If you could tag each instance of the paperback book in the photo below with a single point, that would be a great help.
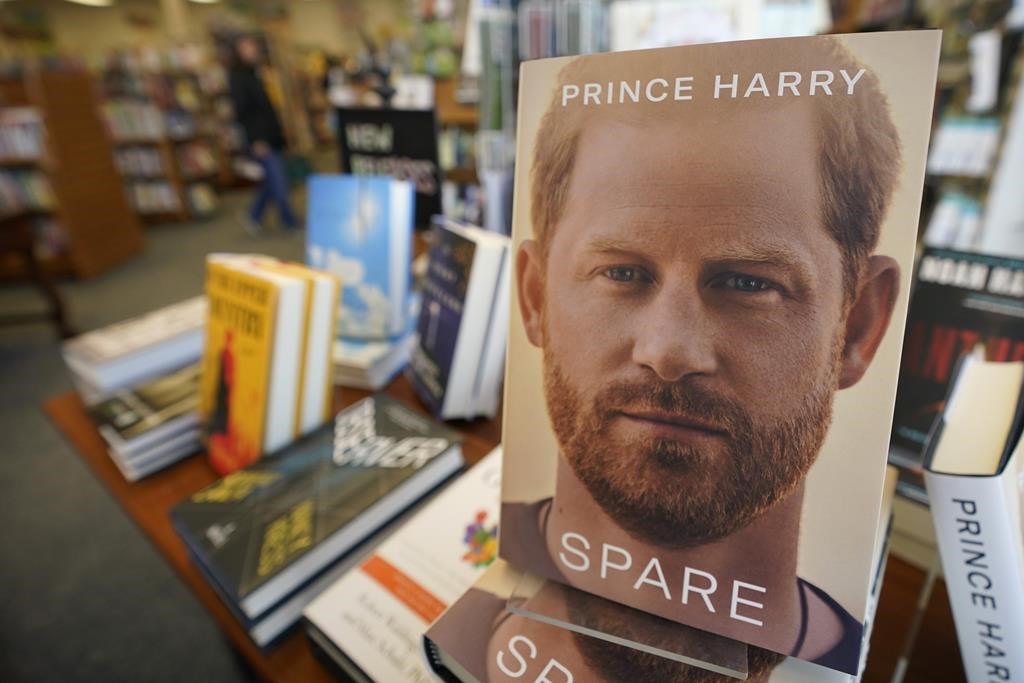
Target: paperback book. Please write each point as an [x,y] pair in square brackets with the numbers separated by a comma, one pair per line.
[360,229]
[713,249]
[457,364]
[370,622]
[264,531]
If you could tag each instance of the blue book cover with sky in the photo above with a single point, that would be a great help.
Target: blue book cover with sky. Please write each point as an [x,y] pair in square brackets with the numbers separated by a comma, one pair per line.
[360,228]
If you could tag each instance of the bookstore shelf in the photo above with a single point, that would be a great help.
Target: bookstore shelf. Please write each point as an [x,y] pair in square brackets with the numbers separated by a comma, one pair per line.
[97,228]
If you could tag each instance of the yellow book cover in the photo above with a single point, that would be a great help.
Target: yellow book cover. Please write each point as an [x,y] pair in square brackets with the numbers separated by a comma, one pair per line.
[236,365]
[319,322]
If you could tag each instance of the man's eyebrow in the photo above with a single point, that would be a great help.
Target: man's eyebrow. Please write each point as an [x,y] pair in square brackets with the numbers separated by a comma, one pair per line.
[604,245]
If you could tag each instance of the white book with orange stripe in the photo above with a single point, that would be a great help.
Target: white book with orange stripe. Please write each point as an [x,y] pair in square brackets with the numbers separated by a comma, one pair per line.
[370,622]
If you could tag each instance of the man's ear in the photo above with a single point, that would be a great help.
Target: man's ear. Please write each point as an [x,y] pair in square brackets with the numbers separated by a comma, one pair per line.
[530,287]
[869,318]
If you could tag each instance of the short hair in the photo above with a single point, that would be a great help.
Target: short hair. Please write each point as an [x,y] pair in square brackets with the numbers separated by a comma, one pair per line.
[858,144]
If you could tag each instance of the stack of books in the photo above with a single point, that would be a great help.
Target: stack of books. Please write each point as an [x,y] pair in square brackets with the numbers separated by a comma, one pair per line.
[266,366]
[128,353]
[360,228]
[153,425]
[269,537]
[458,361]
[368,364]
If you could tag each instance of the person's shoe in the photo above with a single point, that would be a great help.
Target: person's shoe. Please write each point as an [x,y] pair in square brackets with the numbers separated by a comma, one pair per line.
[252,228]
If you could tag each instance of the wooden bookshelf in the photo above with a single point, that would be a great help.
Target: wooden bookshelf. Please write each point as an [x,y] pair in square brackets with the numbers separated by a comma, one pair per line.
[99,227]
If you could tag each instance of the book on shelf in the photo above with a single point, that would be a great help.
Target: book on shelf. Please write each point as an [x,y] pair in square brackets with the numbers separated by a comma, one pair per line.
[973,475]
[25,190]
[266,363]
[134,350]
[153,424]
[360,228]
[457,364]
[698,381]
[960,300]
[21,134]
[369,623]
[264,532]
[1002,230]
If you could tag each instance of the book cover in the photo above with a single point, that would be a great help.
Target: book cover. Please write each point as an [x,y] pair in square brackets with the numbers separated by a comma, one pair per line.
[960,300]
[354,232]
[974,478]
[480,640]
[714,245]
[289,515]
[444,295]
[133,413]
[236,364]
[377,613]
[136,334]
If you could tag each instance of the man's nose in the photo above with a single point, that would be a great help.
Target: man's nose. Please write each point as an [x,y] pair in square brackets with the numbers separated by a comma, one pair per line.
[675,337]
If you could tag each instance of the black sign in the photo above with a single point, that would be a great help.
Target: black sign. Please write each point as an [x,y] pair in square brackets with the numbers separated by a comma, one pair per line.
[401,143]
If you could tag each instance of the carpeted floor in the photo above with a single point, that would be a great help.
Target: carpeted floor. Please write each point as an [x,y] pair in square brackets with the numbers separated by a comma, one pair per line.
[83,595]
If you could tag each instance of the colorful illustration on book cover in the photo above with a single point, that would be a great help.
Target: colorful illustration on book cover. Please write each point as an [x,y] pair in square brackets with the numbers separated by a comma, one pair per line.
[481,540]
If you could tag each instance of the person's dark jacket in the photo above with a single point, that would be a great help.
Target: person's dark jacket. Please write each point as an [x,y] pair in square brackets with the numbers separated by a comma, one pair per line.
[253,109]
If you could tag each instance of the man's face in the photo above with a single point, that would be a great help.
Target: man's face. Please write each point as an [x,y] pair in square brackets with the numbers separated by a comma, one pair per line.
[692,321]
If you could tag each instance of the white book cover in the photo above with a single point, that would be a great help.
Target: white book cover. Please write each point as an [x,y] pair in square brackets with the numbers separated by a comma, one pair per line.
[975,494]
[377,613]
[135,334]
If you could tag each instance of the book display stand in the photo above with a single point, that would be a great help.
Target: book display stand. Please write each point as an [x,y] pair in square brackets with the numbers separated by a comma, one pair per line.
[540,599]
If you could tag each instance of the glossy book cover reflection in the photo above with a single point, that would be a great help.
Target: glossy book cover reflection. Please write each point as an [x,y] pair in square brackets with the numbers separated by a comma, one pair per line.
[713,252]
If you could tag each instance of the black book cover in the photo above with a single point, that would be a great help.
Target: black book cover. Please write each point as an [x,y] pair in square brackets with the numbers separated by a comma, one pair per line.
[134,412]
[960,300]
[252,525]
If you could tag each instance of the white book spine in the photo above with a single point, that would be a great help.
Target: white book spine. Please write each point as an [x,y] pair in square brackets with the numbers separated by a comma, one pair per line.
[977,523]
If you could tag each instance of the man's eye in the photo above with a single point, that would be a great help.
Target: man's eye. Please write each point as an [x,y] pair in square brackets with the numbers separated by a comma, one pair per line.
[748,283]
[625,274]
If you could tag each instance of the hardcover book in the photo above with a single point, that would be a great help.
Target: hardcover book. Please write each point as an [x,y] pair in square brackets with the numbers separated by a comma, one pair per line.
[973,475]
[371,620]
[264,530]
[360,228]
[249,393]
[456,366]
[713,249]
[960,300]
[479,639]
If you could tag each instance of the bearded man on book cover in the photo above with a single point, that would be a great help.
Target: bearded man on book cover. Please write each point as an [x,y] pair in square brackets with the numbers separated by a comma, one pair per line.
[712,242]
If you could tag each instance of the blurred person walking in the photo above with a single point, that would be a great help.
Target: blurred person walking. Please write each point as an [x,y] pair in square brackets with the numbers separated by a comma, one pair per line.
[264,136]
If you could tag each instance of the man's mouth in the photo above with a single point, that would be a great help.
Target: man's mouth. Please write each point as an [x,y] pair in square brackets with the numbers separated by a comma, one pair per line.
[672,425]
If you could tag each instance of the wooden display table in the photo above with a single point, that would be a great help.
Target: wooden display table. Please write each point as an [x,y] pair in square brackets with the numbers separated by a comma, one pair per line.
[936,657]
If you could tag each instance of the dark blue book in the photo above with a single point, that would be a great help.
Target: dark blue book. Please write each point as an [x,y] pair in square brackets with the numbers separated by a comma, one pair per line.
[458,363]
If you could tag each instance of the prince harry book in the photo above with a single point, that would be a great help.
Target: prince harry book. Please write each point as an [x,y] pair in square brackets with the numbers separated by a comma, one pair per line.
[712,252]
